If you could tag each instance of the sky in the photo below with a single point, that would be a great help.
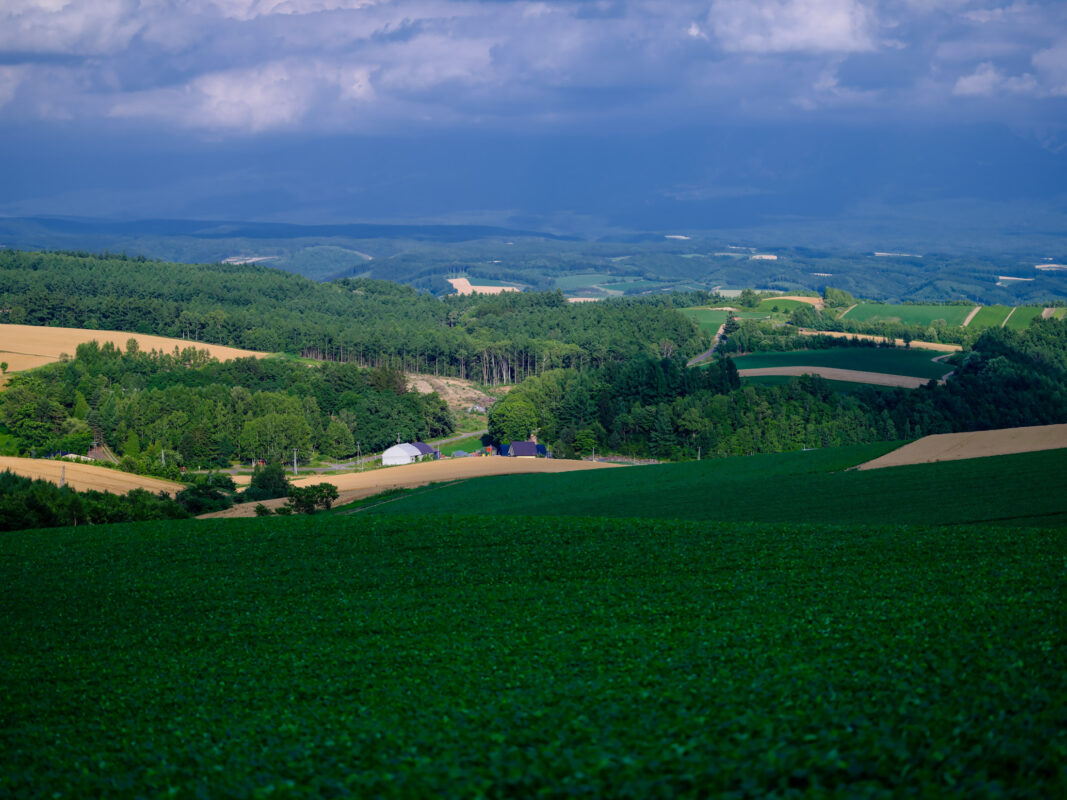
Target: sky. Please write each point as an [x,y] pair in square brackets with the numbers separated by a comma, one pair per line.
[636,114]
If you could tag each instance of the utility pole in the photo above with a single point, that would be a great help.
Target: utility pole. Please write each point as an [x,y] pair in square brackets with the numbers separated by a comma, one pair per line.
[294,461]
[359,455]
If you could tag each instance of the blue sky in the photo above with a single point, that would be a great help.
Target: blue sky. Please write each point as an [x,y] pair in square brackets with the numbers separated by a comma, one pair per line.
[357,109]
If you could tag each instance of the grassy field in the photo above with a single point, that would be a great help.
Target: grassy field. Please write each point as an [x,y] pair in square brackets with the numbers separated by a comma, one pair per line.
[585,280]
[845,387]
[892,360]
[468,445]
[1023,316]
[798,487]
[525,657]
[990,317]
[634,286]
[771,304]
[911,315]
[707,319]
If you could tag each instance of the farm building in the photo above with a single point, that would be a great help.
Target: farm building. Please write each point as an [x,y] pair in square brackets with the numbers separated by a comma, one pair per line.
[523,450]
[408,453]
[401,454]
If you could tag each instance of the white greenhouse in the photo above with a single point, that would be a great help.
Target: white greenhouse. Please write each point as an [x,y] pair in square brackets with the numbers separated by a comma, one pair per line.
[400,454]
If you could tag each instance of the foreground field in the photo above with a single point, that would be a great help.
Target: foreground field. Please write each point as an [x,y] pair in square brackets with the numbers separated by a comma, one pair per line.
[27,346]
[461,657]
[977,444]
[86,476]
[841,375]
[357,485]
[810,486]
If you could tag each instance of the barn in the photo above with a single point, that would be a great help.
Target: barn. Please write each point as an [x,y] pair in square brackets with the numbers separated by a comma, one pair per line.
[523,450]
[401,454]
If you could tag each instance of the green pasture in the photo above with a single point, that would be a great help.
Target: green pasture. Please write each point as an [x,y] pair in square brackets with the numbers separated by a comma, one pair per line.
[909,315]
[709,320]
[990,317]
[891,360]
[1025,489]
[473,656]
[771,303]
[469,444]
[634,286]
[1023,316]
[585,280]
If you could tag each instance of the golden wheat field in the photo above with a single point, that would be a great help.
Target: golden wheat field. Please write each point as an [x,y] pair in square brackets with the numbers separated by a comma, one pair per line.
[27,346]
[953,446]
[81,476]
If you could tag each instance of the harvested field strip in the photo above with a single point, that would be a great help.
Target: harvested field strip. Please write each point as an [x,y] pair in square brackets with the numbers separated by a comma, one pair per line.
[357,485]
[51,343]
[81,476]
[971,316]
[944,348]
[831,373]
[977,444]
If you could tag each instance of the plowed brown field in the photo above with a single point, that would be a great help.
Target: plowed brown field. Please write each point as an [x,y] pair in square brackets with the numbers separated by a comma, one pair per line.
[356,485]
[26,346]
[953,446]
[86,476]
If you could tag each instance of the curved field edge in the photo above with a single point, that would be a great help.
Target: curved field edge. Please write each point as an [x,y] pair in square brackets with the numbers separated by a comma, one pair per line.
[1020,489]
[465,656]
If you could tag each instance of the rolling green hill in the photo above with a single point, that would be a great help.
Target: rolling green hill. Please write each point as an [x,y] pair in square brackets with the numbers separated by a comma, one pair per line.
[806,486]
[523,657]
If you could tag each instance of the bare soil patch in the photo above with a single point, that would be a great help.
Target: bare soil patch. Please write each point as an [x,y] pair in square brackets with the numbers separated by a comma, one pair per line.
[835,374]
[464,286]
[38,345]
[954,446]
[86,476]
[357,485]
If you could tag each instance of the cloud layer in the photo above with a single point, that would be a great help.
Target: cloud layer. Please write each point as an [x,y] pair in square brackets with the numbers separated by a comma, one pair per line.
[246,67]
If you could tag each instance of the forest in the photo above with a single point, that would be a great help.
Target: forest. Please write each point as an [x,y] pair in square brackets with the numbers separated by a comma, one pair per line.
[661,408]
[162,411]
[490,339]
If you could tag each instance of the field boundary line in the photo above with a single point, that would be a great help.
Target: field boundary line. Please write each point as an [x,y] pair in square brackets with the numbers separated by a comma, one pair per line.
[970,316]
[1005,322]
[394,499]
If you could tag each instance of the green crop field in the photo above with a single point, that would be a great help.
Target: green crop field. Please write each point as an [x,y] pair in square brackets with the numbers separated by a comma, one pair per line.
[911,315]
[524,657]
[891,360]
[990,317]
[585,280]
[634,286]
[809,486]
[476,281]
[708,319]
[771,303]
[1023,316]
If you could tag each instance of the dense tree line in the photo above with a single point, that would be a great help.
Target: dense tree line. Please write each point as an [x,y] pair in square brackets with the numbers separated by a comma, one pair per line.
[159,410]
[492,339]
[28,503]
[659,408]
